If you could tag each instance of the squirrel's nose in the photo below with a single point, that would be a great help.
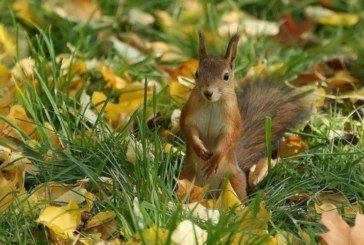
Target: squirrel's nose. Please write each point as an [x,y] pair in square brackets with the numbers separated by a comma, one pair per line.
[208,94]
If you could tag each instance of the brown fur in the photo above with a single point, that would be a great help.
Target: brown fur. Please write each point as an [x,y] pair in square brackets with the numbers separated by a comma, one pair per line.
[211,122]
[261,99]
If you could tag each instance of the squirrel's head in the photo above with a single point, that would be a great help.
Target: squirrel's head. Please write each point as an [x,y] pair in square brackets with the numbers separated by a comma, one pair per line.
[215,74]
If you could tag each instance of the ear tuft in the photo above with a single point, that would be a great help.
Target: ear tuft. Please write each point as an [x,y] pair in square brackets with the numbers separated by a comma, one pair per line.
[232,49]
[201,45]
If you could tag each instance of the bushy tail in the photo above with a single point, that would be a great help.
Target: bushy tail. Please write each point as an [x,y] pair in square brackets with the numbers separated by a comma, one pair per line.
[286,107]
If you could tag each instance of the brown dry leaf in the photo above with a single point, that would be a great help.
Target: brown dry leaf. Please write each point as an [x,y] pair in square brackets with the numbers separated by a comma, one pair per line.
[292,33]
[186,190]
[17,116]
[292,145]
[342,80]
[259,171]
[339,231]
[306,78]
[75,10]
[103,223]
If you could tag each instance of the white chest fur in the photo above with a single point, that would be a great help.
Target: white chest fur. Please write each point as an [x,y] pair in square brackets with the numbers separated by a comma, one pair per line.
[209,122]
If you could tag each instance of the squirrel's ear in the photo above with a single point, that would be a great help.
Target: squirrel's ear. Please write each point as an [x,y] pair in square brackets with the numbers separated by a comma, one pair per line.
[201,45]
[232,50]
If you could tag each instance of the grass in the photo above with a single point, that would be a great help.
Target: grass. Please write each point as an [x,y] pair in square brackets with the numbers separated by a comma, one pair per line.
[92,150]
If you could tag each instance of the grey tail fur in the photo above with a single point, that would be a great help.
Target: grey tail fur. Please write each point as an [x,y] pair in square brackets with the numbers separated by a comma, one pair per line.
[286,107]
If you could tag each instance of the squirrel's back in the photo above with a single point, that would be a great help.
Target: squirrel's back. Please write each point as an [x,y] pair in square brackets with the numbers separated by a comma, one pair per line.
[286,107]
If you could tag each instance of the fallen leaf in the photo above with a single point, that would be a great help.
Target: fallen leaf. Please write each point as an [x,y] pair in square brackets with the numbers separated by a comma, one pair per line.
[18,117]
[127,51]
[9,194]
[200,211]
[328,17]
[7,45]
[113,81]
[324,207]
[259,171]
[253,237]
[166,52]
[103,223]
[153,235]
[187,190]
[139,17]
[77,195]
[188,233]
[75,10]
[61,220]
[228,199]
[306,78]
[27,14]
[342,79]
[292,145]
[255,219]
[339,232]
[292,33]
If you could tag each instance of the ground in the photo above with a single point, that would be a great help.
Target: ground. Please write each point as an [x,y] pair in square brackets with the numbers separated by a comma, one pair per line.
[90,95]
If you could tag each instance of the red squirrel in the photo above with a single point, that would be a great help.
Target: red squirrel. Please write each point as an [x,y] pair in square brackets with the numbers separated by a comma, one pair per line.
[224,134]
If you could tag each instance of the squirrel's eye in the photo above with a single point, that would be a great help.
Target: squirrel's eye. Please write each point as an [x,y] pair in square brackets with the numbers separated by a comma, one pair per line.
[226,76]
[196,74]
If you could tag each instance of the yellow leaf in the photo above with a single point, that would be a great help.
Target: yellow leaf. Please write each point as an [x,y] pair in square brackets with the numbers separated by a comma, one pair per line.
[61,220]
[7,45]
[255,221]
[18,116]
[27,14]
[292,145]
[186,189]
[228,199]
[179,91]
[328,17]
[7,193]
[153,235]
[113,80]
[166,21]
[324,207]
[253,237]
[51,133]
[166,51]
[102,223]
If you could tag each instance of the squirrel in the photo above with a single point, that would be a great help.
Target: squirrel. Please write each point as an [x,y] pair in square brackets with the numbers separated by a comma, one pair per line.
[224,134]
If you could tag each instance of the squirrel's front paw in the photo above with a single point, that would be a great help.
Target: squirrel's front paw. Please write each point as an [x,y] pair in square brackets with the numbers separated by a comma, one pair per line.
[211,166]
[203,153]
